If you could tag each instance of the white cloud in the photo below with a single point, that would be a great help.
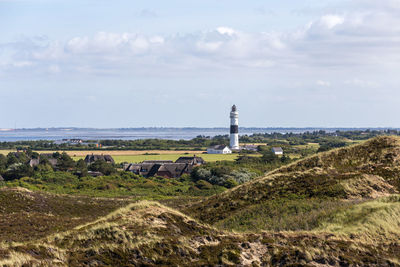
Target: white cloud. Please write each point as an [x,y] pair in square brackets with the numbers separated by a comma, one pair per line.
[362,83]
[54,69]
[139,44]
[22,64]
[208,46]
[330,21]
[323,83]
[226,30]
[360,38]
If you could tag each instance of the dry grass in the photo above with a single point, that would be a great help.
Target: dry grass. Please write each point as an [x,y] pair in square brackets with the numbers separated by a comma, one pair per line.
[360,171]
[377,220]
[17,259]
[27,215]
[82,153]
[135,156]
[148,233]
[173,157]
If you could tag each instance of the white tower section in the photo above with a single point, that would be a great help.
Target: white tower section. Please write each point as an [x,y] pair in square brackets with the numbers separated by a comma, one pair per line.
[234,143]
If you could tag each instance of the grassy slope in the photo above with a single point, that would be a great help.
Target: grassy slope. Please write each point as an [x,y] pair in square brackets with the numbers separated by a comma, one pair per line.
[26,215]
[353,174]
[369,221]
[150,234]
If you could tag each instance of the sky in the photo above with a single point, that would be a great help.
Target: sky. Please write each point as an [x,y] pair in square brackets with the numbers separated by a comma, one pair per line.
[184,63]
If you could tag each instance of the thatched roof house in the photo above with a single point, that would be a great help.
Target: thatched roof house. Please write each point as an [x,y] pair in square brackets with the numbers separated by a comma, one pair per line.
[89,159]
[191,160]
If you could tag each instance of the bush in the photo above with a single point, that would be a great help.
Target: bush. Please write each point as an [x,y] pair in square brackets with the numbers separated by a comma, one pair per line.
[18,170]
[230,182]
[222,175]
[201,184]
[103,167]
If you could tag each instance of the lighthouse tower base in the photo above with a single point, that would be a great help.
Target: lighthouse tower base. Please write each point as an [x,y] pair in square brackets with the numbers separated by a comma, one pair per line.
[234,142]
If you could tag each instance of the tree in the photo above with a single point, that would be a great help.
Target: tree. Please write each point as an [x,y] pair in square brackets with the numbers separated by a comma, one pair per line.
[18,157]
[65,162]
[18,170]
[285,159]
[81,168]
[269,157]
[3,162]
[103,167]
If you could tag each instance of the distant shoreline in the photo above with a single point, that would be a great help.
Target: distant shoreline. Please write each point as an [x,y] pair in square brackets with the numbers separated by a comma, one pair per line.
[166,133]
[194,128]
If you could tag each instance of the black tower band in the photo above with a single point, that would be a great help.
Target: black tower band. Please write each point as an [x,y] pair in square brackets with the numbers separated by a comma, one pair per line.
[234,129]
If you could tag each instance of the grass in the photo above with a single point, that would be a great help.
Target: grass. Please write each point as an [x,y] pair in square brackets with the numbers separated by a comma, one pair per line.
[309,145]
[173,157]
[27,215]
[139,156]
[150,234]
[283,215]
[6,151]
[357,172]
[372,219]
[83,153]
[125,185]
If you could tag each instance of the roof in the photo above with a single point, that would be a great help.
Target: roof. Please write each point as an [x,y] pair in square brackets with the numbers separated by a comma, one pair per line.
[250,146]
[165,169]
[190,160]
[53,162]
[174,169]
[154,169]
[34,162]
[219,147]
[92,158]
[277,149]
[133,167]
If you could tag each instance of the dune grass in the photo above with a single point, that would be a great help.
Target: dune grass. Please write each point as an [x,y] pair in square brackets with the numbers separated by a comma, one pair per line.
[338,174]
[372,219]
[27,215]
[283,215]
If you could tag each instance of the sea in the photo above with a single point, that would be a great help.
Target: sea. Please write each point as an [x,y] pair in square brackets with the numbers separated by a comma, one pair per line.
[55,134]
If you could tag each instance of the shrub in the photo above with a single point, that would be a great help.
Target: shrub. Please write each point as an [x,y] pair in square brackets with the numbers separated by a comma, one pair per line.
[201,184]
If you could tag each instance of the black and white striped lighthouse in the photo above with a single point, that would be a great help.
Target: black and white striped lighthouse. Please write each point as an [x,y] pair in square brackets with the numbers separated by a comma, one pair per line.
[234,143]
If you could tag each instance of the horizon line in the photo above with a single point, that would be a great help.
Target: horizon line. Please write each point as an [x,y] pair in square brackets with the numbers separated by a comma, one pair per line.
[192,127]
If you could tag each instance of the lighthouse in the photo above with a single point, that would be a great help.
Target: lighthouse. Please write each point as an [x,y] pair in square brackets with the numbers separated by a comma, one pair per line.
[234,143]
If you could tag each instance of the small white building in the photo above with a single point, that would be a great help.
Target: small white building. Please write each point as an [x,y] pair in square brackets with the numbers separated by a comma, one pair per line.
[221,149]
[277,150]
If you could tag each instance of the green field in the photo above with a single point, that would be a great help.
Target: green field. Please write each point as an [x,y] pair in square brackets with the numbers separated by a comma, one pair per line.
[173,157]
[141,157]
